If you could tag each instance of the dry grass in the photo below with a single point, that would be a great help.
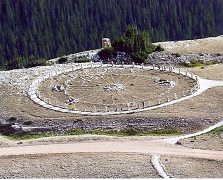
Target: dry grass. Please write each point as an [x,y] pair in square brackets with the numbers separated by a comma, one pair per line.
[205,45]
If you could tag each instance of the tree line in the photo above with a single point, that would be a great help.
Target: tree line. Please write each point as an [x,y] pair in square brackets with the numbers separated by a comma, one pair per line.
[51,28]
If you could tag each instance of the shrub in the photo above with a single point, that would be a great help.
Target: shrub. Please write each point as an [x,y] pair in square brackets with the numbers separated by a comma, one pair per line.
[140,57]
[129,132]
[82,60]
[217,130]
[194,63]
[62,60]
[165,131]
[27,123]
[12,119]
[76,132]
[159,48]
[107,53]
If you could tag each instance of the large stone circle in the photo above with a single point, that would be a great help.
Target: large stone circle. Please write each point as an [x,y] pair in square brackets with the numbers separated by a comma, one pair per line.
[113,88]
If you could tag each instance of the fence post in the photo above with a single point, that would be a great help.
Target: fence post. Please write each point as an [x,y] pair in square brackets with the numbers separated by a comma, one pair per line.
[143,104]
[175,95]
[168,99]
[127,106]
[158,100]
[149,104]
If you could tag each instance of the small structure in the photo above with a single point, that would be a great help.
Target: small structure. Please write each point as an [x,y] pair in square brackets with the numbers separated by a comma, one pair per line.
[106,43]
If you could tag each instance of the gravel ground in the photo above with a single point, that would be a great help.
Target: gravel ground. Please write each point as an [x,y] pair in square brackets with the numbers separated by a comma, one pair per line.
[205,141]
[181,167]
[78,165]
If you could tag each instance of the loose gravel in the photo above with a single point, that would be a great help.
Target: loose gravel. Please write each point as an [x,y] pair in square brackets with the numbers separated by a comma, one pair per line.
[78,165]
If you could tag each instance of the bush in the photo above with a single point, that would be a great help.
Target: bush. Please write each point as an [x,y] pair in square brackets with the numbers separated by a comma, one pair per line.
[159,48]
[107,53]
[130,131]
[217,130]
[12,118]
[82,60]
[77,132]
[170,131]
[177,54]
[140,57]
[62,60]
[27,123]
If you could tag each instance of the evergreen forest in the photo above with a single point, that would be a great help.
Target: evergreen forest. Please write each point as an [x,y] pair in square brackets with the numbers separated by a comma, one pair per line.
[47,29]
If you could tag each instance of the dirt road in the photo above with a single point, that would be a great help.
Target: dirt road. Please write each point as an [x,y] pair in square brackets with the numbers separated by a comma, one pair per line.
[150,147]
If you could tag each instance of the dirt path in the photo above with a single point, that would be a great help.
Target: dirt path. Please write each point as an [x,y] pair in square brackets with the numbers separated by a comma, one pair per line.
[150,147]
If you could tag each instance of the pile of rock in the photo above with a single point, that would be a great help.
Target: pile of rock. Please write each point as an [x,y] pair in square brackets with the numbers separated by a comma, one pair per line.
[114,88]
[164,82]
[17,126]
[58,88]
[166,57]
[72,100]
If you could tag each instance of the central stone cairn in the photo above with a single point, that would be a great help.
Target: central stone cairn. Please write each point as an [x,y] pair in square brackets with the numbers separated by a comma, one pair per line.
[114,88]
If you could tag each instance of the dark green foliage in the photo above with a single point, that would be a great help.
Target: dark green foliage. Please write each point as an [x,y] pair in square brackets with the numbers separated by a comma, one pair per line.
[124,132]
[82,60]
[49,29]
[217,130]
[159,48]
[129,131]
[193,63]
[107,53]
[27,123]
[62,60]
[31,135]
[165,131]
[134,41]
[12,118]
[139,57]
[119,44]
[31,61]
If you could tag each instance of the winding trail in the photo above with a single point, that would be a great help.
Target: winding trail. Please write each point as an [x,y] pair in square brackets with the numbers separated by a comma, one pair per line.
[139,146]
